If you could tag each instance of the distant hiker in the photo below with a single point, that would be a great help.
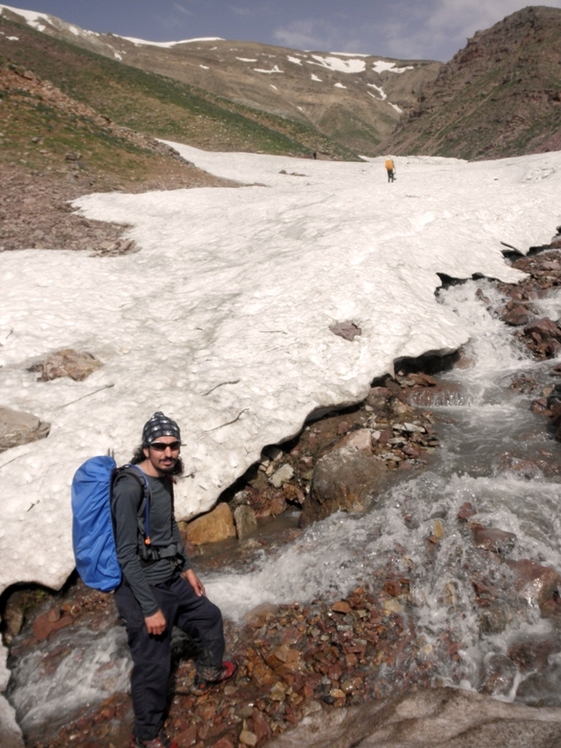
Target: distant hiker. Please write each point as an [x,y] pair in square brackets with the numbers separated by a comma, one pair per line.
[159,587]
[390,168]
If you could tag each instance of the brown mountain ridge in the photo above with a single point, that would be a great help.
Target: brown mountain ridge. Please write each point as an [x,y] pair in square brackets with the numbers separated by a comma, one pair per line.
[349,101]
[499,96]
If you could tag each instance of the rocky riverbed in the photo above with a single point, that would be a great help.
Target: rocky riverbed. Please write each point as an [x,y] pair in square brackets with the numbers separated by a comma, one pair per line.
[301,660]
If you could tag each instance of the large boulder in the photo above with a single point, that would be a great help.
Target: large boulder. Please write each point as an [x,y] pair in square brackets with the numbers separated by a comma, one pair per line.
[17,428]
[345,479]
[440,718]
[544,336]
[517,314]
[212,527]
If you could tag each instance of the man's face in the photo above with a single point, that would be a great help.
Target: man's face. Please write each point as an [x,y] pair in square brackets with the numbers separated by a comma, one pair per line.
[163,453]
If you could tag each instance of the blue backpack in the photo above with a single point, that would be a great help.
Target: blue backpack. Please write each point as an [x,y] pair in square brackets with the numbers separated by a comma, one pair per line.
[93,536]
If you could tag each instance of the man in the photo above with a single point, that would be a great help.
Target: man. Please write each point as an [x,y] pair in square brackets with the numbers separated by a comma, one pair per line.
[159,587]
[390,168]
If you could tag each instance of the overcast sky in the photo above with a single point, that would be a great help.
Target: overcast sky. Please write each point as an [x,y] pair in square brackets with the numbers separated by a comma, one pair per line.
[419,29]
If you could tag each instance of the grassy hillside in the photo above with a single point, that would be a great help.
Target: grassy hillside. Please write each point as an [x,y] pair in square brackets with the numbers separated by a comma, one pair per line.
[156,105]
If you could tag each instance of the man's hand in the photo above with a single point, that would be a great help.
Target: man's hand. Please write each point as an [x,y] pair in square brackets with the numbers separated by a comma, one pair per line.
[156,624]
[195,582]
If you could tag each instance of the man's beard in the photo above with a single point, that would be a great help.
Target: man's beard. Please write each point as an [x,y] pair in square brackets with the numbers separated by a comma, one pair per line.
[175,469]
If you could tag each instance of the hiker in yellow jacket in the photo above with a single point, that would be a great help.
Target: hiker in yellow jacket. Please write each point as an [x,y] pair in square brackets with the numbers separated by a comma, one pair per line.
[390,168]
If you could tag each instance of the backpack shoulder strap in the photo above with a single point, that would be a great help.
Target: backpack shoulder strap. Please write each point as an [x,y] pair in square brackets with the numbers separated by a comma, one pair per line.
[140,476]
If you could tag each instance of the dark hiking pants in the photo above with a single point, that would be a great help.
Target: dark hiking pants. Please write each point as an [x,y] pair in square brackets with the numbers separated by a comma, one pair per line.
[151,655]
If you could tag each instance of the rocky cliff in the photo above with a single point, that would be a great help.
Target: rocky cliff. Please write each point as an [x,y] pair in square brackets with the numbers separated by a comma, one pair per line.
[499,96]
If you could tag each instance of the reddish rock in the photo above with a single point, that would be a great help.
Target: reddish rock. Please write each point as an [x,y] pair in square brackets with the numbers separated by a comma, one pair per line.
[77,365]
[293,493]
[411,450]
[492,539]
[543,329]
[187,738]
[539,405]
[535,582]
[532,654]
[525,468]
[396,587]
[46,623]
[105,713]
[341,607]
[466,511]
[517,315]
[260,726]
[278,504]
[262,675]
[223,743]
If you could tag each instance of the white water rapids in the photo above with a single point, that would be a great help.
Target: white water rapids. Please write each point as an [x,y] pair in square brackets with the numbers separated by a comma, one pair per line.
[484,422]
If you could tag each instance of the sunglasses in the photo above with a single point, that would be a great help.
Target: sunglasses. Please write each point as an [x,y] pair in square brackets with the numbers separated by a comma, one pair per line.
[161,447]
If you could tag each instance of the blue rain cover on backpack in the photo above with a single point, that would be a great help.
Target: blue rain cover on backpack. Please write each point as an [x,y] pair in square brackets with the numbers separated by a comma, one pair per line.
[92,524]
[93,535]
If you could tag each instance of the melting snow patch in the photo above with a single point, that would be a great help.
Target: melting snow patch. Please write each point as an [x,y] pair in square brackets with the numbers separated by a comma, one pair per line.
[338,65]
[276,69]
[339,85]
[315,78]
[295,60]
[246,59]
[381,66]
[395,106]
[380,91]
[32,18]
[140,42]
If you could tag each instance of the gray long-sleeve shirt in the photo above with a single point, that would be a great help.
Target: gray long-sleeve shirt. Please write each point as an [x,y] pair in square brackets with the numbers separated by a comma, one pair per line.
[126,503]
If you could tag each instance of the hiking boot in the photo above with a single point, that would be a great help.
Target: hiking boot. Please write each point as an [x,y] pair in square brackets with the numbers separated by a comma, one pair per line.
[202,686]
[162,741]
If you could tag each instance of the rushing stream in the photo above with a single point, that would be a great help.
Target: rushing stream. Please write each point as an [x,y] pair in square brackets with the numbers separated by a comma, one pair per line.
[486,429]
[495,453]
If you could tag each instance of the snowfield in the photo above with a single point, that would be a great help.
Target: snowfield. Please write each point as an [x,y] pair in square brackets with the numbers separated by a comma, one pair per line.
[222,319]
